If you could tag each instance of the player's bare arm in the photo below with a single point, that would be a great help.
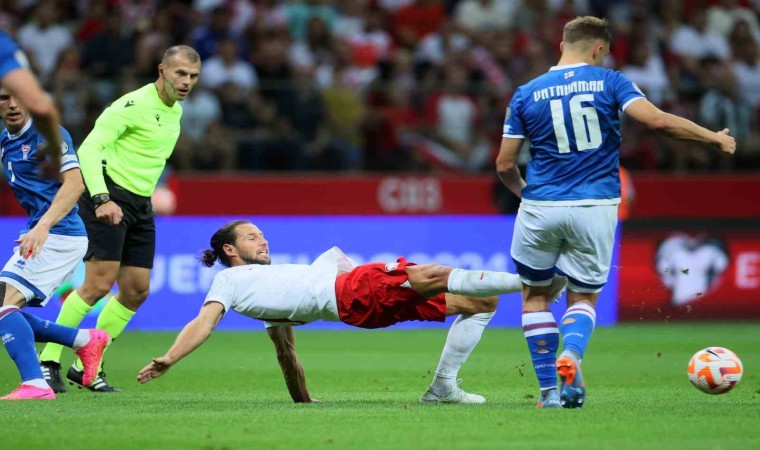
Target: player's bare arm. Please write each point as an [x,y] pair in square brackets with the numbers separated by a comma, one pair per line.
[191,337]
[284,340]
[71,189]
[506,165]
[24,86]
[645,112]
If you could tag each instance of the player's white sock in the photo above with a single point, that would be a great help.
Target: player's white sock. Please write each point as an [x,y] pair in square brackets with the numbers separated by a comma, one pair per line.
[463,336]
[483,283]
[83,337]
[38,383]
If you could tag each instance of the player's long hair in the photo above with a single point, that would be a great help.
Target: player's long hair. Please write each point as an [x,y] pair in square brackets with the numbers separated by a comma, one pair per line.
[225,235]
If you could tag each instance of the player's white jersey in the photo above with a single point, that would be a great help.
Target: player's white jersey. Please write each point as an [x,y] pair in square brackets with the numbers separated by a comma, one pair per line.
[282,294]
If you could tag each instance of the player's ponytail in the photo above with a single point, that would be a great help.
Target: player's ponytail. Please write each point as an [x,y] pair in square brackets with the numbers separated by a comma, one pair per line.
[225,235]
[209,257]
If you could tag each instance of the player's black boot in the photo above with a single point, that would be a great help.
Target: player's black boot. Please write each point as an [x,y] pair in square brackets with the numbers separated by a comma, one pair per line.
[51,370]
[99,385]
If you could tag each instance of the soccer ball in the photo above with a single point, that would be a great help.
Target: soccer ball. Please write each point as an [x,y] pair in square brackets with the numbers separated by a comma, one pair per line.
[715,370]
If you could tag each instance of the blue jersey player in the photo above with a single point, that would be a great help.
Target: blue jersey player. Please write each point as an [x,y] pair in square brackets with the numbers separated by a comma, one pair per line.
[50,246]
[567,218]
[15,76]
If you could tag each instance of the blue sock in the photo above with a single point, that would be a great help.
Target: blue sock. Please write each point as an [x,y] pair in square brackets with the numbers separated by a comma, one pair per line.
[18,338]
[47,331]
[542,335]
[576,328]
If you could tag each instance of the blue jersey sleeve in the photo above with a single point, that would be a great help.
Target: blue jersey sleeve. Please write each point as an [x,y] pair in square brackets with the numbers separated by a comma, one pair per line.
[513,124]
[68,152]
[624,91]
[11,56]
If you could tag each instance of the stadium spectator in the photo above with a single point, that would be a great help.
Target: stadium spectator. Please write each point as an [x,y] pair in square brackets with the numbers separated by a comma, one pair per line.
[300,15]
[227,68]
[109,53]
[242,12]
[724,106]
[647,70]
[416,20]
[485,15]
[69,87]
[206,143]
[351,18]
[44,38]
[452,115]
[94,21]
[334,288]
[723,17]
[316,48]
[206,38]
[372,43]
[442,44]
[151,42]
[747,69]
[694,41]
[355,40]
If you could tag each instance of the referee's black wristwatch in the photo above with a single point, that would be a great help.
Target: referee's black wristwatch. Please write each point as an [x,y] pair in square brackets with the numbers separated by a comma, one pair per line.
[99,199]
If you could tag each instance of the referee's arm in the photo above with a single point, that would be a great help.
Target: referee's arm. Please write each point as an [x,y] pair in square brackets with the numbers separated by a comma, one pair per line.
[110,125]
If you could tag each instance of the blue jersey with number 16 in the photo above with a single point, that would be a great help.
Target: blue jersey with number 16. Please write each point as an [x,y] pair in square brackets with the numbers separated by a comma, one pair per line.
[570,115]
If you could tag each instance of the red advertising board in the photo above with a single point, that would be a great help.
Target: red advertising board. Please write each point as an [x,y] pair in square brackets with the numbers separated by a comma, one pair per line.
[336,195]
[670,274]
[725,196]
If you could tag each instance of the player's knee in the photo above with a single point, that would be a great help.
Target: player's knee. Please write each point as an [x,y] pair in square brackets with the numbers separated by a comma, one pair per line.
[488,304]
[436,274]
[484,305]
[135,296]
[94,290]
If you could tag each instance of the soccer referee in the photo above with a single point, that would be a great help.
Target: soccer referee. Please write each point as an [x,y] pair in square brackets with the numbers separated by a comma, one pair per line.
[121,161]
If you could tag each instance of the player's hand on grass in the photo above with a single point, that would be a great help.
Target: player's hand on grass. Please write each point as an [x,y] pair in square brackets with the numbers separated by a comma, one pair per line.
[109,213]
[31,244]
[727,142]
[155,369]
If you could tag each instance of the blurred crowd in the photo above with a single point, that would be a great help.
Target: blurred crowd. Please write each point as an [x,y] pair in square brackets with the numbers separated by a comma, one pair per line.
[382,85]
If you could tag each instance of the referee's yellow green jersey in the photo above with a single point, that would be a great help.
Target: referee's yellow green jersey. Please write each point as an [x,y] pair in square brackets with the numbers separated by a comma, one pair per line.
[135,136]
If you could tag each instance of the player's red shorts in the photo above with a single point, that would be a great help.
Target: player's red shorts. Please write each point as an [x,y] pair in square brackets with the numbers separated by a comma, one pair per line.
[371,296]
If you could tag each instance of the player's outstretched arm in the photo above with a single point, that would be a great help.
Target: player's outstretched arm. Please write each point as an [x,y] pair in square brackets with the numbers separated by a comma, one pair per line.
[284,339]
[22,85]
[190,338]
[71,189]
[506,165]
[645,112]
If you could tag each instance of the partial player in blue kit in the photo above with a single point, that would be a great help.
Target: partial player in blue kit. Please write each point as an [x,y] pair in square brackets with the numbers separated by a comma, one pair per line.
[568,215]
[50,247]
[21,83]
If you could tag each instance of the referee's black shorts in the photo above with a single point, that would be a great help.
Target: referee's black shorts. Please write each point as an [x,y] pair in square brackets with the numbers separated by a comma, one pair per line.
[133,240]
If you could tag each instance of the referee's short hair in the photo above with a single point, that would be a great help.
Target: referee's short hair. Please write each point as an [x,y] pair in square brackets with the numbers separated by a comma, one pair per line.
[185,50]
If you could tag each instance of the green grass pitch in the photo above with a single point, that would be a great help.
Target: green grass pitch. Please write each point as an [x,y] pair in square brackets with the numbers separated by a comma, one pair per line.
[229,394]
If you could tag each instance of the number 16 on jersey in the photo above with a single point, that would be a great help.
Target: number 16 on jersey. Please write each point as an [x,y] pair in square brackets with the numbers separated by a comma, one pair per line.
[586,130]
